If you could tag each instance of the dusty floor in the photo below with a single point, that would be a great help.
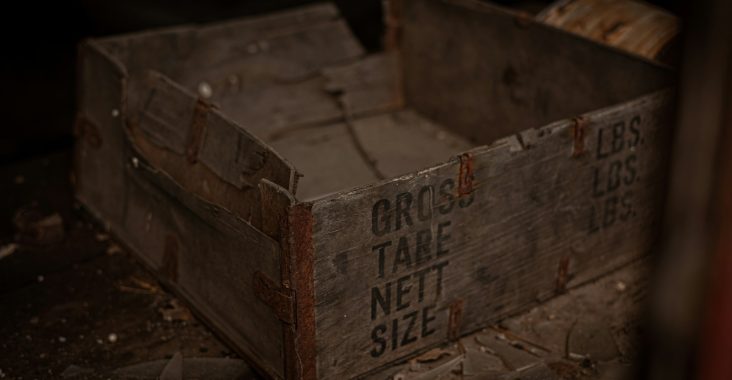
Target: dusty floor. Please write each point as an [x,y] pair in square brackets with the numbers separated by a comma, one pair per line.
[591,332]
[75,305]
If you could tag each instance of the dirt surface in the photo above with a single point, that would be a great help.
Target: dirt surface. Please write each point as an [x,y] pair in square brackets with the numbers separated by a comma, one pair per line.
[75,305]
[591,332]
[78,302]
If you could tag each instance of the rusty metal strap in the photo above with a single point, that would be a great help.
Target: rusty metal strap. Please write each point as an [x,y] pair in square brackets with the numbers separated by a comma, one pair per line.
[455,319]
[466,177]
[579,130]
[197,131]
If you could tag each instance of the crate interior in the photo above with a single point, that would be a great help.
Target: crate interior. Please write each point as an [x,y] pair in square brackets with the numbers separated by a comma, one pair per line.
[464,74]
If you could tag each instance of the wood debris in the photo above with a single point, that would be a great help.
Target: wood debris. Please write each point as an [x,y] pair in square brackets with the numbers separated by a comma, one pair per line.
[433,355]
[8,250]
[33,227]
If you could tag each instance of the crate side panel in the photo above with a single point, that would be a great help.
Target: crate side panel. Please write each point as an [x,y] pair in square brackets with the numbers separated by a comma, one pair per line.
[202,251]
[277,82]
[488,73]
[416,261]
[164,50]
[265,73]
[99,150]
[206,153]
[241,158]
[210,257]
[367,86]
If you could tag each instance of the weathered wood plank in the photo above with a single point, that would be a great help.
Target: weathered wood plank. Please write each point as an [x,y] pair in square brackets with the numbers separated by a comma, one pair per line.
[484,236]
[163,111]
[275,201]
[209,256]
[431,255]
[487,73]
[367,86]
[178,50]
[327,159]
[261,26]
[359,152]
[263,73]
[207,154]
[161,50]
[241,158]
[277,83]
[271,78]
[204,252]
[100,132]
[403,142]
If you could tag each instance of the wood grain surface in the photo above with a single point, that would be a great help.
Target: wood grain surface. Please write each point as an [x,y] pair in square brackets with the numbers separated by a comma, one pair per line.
[190,138]
[486,73]
[412,262]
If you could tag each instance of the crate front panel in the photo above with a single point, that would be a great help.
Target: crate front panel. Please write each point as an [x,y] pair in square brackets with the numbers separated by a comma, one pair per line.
[413,262]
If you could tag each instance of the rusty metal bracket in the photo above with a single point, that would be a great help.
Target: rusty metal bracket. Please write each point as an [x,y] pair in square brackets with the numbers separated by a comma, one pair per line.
[276,297]
[392,20]
[455,318]
[87,131]
[563,276]
[465,180]
[197,132]
[579,130]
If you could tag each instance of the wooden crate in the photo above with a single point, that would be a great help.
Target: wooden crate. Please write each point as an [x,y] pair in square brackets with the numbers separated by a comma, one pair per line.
[329,212]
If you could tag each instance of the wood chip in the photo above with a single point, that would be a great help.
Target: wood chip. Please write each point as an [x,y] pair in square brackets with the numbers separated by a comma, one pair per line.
[441,370]
[114,249]
[433,355]
[174,311]
[8,250]
[34,228]
[174,369]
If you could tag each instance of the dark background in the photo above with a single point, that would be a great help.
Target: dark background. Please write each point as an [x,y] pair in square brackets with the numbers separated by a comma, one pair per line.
[39,41]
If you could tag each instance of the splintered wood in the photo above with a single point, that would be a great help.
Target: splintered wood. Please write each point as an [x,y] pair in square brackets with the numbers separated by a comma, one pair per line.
[331,212]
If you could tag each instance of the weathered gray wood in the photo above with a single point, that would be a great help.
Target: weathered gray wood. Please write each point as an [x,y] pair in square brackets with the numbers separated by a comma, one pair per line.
[368,85]
[190,184]
[333,159]
[99,130]
[241,158]
[388,138]
[261,74]
[251,28]
[204,252]
[327,159]
[177,51]
[487,73]
[275,82]
[207,154]
[273,73]
[207,255]
[520,221]
[185,232]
